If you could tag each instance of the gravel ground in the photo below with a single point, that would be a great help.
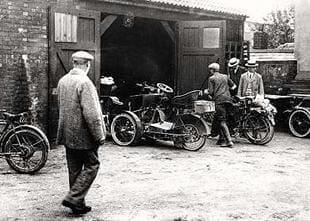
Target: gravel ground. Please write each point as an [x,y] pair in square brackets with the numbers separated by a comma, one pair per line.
[159,182]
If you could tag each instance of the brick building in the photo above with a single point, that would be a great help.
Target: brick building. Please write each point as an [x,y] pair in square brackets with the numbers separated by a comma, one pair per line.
[169,41]
[24,58]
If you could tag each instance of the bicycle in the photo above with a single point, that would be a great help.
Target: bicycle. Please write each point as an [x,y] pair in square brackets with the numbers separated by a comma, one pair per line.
[25,147]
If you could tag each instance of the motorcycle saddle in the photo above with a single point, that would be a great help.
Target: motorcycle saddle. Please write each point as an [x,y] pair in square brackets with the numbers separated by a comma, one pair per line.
[185,100]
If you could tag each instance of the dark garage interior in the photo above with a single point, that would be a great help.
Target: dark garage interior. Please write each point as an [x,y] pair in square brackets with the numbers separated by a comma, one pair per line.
[138,52]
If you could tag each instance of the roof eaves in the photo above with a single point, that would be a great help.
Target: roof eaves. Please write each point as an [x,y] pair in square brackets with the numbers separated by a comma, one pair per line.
[205,5]
[175,7]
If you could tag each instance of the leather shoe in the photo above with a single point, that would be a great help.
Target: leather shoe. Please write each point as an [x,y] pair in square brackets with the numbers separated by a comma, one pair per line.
[227,144]
[220,142]
[76,209]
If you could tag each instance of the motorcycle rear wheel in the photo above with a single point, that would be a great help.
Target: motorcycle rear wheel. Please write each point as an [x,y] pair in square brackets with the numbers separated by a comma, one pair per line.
[28,151]
[192,142]
[258,129]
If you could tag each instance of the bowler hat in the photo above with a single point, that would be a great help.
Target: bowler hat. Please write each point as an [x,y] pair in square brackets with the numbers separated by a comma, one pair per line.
[251,64]
[82,55]
[233,62]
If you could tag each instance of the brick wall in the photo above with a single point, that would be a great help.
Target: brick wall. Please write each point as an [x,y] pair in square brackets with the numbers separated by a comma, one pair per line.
[24,58]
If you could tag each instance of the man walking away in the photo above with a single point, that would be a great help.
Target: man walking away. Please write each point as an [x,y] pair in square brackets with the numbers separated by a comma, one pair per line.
[80,130]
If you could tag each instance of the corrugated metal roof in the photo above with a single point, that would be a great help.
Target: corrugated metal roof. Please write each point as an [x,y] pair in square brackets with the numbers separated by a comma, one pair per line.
[217,6]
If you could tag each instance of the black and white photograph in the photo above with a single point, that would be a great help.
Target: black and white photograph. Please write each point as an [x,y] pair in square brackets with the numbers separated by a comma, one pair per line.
[155,110]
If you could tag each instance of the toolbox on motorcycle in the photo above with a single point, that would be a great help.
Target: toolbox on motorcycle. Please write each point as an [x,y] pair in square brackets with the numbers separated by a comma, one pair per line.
[203,106]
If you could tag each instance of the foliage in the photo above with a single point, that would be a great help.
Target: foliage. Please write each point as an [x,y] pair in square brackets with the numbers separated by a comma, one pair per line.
[279,25]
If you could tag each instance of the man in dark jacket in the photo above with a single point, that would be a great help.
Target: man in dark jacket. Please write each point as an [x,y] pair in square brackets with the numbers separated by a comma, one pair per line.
[218,87]
[81,130]
[235,71]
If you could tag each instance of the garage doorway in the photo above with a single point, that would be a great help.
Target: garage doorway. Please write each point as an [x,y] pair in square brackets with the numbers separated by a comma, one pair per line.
[141,51]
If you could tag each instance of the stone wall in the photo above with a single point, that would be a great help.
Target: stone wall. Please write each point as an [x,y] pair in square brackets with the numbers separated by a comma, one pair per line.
[278,68]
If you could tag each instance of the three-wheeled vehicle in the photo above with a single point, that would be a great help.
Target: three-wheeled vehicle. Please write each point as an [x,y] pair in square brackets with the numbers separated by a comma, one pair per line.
[155,114]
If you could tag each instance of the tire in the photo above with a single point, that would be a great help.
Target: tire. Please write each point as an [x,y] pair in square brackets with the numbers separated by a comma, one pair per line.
[29,151]
[194,141]
[299,123]
[125,130]
[258,129]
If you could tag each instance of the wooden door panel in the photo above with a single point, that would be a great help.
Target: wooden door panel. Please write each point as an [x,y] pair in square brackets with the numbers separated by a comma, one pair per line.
[86,30]
[194,71]
[70,30]
[200,43]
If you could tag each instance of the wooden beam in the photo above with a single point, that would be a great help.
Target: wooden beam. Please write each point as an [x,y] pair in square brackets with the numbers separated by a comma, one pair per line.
[169,30]
[61,57]
[106,23]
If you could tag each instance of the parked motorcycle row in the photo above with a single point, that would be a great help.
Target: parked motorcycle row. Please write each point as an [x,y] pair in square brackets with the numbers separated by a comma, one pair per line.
[156,114]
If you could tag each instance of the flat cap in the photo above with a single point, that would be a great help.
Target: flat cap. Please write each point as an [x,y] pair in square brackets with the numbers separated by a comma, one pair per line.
[214,66]
[82,55]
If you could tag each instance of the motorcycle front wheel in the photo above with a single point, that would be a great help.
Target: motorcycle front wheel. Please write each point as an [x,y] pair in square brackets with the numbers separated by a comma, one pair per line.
[125,130]
[192,140]
[27,151]
[258,129]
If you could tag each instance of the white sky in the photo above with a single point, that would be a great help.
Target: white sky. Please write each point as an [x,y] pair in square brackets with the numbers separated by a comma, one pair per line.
[258,9]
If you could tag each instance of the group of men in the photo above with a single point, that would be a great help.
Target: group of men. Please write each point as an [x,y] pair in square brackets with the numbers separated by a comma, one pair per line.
[82,131]
[222,88]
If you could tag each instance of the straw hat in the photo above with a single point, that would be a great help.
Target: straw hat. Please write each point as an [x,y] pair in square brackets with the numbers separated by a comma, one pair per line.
[233,62]
[251,64]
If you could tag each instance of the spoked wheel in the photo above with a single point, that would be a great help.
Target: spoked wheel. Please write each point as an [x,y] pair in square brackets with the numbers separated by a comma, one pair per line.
[192,140]
[27,151]
[258,129]
[125,130]
[209,117]
[299,123]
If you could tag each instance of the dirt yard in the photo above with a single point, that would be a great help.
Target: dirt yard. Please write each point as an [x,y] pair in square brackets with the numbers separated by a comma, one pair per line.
[159,182]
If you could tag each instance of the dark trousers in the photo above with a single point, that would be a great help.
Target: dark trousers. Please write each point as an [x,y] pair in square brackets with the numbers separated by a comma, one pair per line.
[219,124]
[83,166]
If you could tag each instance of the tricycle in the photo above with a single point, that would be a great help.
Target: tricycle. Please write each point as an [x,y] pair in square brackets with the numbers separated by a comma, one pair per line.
[294,110]
[157,115]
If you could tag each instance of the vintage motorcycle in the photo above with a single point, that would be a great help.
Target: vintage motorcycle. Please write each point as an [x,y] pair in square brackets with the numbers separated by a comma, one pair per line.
[250,119]
[25,147]
[156,114]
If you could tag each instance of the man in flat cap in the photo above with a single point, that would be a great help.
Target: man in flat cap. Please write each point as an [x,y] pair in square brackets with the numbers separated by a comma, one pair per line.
[235,71]
[218,87]
[80,129]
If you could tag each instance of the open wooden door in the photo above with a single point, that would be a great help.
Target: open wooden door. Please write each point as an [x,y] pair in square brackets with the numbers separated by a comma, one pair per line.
[70,30]
[200,43]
